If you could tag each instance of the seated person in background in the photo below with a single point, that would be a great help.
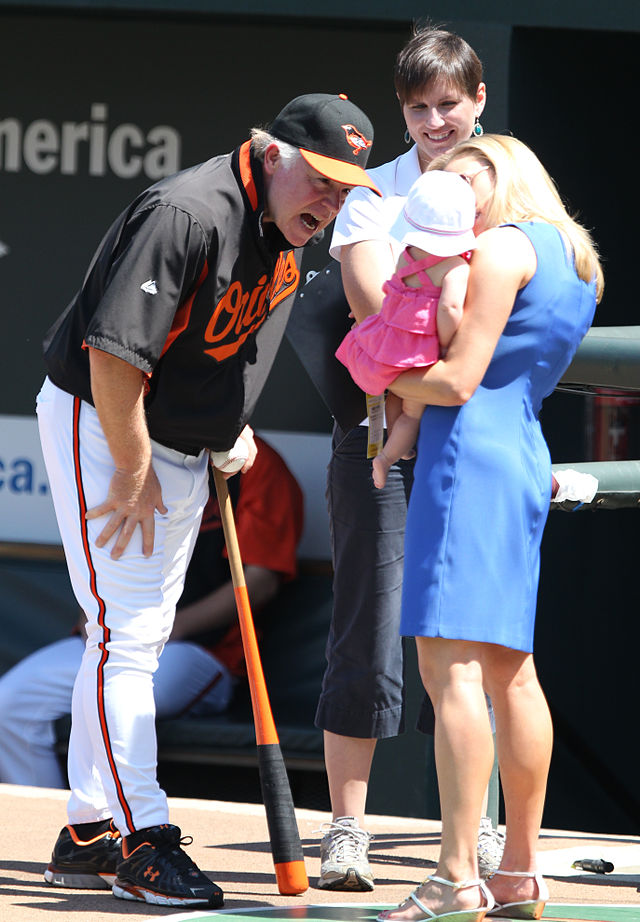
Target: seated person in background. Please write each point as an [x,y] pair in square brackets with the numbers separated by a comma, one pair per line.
[203,661]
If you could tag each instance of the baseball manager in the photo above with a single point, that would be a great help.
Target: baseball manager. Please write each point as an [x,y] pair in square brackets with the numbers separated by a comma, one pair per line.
[159,360]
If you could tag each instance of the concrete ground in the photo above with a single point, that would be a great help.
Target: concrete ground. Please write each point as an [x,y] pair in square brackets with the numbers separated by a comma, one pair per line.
[231,845]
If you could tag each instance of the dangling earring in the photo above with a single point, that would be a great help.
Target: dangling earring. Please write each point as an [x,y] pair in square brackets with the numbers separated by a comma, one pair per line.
[407,137]
[478,130]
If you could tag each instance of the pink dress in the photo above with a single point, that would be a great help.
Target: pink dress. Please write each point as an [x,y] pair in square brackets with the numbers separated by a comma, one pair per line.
[403,335]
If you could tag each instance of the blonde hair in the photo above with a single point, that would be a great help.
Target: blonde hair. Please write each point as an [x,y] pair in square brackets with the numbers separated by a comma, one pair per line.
[524,191]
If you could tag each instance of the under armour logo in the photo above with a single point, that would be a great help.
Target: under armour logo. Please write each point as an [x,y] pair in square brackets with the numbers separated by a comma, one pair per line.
[150,287]
[150,873]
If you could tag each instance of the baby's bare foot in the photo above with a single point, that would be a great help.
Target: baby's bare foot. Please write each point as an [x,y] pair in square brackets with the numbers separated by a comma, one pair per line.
[380,470]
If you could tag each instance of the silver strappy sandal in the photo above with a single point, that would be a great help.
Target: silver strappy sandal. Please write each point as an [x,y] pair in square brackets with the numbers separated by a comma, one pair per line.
[460,915]
[522,909]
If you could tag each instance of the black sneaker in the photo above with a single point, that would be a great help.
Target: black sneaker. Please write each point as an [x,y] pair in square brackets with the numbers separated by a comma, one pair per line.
[159,871]
[85,864]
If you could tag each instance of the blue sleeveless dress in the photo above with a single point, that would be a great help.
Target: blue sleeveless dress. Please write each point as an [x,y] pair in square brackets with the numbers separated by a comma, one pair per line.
[483,472]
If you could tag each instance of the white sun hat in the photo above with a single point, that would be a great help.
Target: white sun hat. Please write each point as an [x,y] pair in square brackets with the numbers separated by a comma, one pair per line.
[436,216]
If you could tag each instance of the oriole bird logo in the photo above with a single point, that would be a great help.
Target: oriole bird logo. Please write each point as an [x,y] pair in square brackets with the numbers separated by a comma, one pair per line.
[356,139]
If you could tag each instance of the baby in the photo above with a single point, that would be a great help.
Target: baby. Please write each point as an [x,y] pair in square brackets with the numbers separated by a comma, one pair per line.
[423,302]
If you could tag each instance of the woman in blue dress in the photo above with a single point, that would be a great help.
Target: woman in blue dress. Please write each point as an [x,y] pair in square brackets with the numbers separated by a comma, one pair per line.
[476,515]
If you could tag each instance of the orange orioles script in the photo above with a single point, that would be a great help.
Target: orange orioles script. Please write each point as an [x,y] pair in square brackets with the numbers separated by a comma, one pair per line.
[238,312]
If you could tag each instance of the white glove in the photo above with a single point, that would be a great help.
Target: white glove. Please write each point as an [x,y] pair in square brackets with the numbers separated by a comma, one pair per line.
[233,460]
[575,485]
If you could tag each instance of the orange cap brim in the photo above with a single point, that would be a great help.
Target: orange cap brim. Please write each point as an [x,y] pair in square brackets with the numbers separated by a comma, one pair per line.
[339,170]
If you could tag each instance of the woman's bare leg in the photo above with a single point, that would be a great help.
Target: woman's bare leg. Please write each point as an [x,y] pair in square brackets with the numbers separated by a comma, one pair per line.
[524,739]
[451,672]
[348,761]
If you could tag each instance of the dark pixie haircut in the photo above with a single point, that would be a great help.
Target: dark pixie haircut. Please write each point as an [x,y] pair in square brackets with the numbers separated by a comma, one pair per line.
[434,54]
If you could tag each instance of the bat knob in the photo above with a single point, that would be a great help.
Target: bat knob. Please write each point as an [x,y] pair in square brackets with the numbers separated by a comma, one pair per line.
[291,877]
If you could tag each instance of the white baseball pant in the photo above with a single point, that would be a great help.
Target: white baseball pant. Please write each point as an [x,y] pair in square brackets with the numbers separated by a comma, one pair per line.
[129,604]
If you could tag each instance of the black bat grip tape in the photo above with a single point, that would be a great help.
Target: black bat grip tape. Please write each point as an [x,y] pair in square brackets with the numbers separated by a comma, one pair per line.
[278,804]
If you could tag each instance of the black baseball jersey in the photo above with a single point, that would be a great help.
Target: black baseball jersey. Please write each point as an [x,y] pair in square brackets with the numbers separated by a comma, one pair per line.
[190,287]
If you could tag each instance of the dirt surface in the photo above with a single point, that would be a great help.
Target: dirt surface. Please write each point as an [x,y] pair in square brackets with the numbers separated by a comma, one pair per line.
[230,844]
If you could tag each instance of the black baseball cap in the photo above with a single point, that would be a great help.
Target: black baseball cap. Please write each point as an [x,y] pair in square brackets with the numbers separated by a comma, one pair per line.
[334,136]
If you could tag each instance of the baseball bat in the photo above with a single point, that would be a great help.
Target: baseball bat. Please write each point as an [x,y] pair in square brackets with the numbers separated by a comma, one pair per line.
[284,837]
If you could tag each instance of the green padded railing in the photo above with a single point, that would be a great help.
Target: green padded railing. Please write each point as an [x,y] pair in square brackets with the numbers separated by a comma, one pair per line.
[607,361]
[618,484]
[606,357]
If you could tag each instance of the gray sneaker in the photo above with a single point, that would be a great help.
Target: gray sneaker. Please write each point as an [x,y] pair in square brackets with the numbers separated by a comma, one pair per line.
[344,856]
[490,848]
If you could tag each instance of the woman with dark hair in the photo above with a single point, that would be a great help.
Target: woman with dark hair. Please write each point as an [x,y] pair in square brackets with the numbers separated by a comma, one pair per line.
[438,80]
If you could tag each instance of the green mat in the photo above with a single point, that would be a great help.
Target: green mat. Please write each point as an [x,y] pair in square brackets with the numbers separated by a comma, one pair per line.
[554,912]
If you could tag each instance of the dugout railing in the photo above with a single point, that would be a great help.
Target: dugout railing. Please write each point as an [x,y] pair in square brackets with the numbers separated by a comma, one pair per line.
[607,363]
